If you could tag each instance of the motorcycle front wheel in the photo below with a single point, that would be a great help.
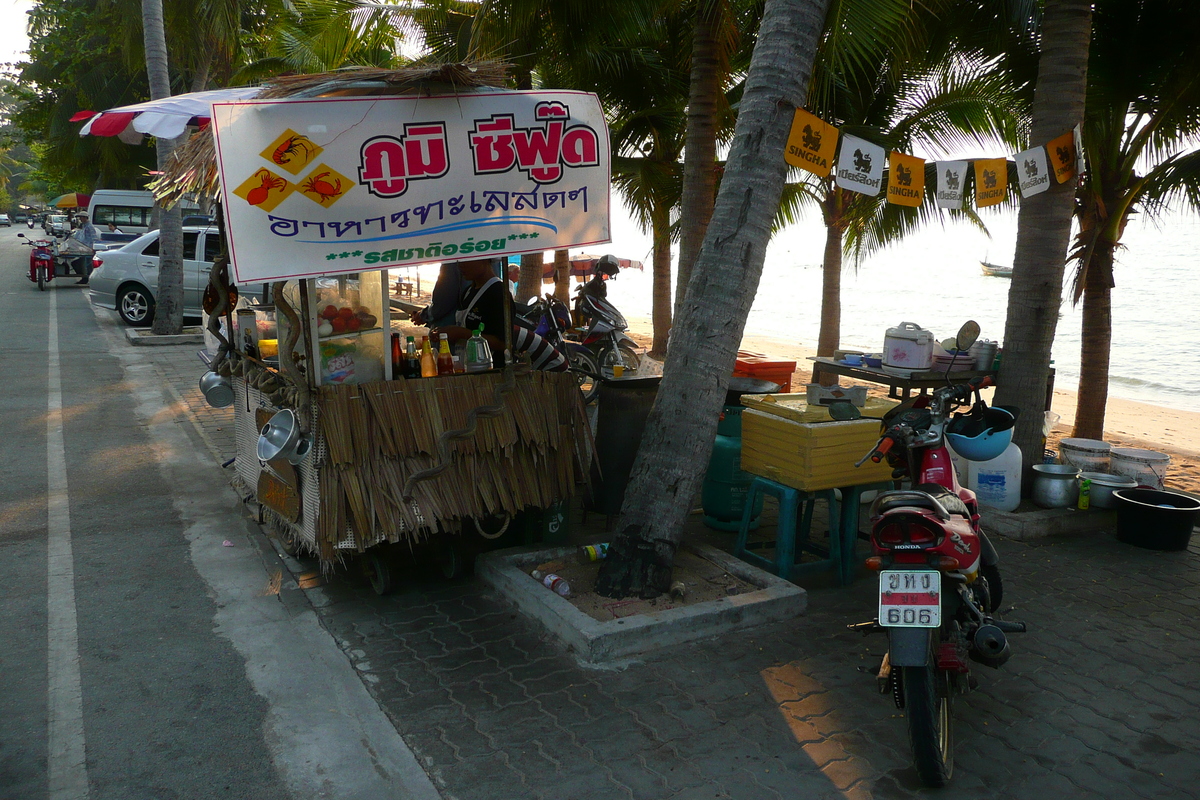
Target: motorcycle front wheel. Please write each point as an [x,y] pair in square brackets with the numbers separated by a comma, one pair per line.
[41,275]
[927,705]
[607,358]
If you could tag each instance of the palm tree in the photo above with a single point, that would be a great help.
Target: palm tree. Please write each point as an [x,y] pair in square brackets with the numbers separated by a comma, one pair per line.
[897,102]
[1044,224]
[704,342]
[168,318]
[1139,136]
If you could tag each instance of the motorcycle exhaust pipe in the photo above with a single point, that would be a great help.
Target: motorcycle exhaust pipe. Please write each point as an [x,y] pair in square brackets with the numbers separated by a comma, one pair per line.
[990,646]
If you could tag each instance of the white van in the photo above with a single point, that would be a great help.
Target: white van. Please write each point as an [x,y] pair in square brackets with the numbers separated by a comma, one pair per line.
[131,210]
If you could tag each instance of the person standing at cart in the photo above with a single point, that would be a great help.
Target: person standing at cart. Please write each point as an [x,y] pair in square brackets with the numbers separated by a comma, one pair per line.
[482,302]
[86,235]
[444,301]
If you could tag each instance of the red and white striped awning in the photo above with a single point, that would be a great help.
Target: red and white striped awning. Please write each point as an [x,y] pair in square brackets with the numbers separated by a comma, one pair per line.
[166,118]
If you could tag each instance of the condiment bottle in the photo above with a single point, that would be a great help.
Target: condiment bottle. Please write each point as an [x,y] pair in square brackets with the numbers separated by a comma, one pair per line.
[478,354]
[445,359]
[412,361]
[428,365]
[397,360]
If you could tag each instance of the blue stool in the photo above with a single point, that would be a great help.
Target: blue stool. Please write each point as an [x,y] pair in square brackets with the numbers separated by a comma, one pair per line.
[851,498]
[790,528]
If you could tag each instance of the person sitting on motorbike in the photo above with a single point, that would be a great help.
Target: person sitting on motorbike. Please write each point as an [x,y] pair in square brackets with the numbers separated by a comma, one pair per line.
[86,235]
[606,267]
[482,303]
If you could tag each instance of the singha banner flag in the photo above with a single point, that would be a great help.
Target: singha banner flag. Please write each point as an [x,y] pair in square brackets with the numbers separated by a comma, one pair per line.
[337,185]
[1062,155]
[991,181]
[1033,175]
[951,178]
[860,166]
[906,180]
[811,144]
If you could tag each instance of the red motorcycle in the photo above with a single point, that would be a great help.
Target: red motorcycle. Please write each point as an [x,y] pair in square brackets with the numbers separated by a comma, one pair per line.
[45,263]
[939,577]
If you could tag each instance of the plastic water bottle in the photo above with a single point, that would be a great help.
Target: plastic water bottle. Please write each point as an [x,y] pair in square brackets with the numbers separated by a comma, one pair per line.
[554,583]
[478,354]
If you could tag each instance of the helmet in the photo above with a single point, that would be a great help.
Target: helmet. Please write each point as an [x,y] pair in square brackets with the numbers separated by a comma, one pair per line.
[983,433]
[608,265]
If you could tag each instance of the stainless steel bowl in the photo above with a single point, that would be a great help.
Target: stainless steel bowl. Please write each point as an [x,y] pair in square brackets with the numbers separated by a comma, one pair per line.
[281,438]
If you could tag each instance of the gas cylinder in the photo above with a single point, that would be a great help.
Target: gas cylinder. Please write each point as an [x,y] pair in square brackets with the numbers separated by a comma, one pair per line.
[725,484]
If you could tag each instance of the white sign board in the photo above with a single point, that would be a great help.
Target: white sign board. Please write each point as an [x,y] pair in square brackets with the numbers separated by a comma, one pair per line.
[860,165]
[337,185]
[1033,172]
[951,177]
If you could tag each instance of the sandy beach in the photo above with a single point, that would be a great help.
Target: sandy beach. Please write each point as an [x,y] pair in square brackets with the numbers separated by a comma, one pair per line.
[1127,423]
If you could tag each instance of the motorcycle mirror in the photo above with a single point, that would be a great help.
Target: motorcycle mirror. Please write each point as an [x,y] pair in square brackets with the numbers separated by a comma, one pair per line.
[968,334]
[843,410]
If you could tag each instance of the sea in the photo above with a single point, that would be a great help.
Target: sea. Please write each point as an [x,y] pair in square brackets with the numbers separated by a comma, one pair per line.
[933,278]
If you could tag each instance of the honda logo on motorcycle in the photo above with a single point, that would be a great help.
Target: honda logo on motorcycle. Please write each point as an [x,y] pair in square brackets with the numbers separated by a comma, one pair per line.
[498,145]
[388,163]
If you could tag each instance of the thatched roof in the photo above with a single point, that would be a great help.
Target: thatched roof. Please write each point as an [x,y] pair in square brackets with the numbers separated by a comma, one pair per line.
[193,169]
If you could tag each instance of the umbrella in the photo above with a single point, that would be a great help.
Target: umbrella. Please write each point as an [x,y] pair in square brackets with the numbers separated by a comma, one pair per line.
[71,200]
[165,118]
[581,266]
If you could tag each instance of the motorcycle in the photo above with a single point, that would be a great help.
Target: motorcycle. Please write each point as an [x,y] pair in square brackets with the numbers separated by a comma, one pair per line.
[605,336]
[30,223]
[549,318]
[45,262]
[939,577]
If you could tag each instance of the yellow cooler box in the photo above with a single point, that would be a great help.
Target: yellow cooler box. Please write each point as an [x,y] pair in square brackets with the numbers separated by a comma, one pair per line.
[798,445]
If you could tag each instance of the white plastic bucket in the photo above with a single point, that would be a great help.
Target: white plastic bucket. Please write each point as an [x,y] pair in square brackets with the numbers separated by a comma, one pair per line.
[1090,455]
[997,483]
[1147,467]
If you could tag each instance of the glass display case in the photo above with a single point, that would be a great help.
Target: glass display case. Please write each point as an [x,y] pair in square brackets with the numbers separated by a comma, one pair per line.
[348,328]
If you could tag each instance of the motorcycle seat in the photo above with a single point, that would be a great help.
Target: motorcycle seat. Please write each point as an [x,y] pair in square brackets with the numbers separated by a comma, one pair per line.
[948,500]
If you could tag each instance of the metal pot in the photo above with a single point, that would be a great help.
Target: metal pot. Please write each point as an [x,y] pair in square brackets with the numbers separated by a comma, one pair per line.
[217,390]
[1103,486]
[1055,485]
[281,438]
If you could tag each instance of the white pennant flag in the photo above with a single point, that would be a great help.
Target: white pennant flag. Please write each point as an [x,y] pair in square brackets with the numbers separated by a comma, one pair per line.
[1080,164]
[1033,172]
[860,165]
[951,175]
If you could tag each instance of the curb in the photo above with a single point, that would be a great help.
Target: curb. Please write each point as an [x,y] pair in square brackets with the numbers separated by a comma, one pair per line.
[144,338]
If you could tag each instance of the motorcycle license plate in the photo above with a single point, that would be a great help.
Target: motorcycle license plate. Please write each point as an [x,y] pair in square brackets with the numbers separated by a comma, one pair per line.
[910,598]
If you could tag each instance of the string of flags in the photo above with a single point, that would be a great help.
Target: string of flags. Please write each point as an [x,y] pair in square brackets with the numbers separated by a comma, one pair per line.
[858,166]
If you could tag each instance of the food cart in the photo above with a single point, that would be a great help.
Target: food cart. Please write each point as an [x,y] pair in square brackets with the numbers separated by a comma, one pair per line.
[325,184]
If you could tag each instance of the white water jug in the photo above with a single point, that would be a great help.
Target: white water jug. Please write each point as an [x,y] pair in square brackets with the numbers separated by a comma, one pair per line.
[997,483]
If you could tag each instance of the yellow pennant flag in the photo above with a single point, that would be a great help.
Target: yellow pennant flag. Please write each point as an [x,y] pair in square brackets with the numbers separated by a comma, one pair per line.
[811,144]
[1062,156]
[906,180]
[991,181]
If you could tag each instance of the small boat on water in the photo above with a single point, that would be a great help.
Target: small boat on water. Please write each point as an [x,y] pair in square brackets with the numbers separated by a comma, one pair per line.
[995,270]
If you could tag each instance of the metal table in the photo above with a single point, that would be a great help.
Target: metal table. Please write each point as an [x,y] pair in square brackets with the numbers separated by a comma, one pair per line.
[900,388]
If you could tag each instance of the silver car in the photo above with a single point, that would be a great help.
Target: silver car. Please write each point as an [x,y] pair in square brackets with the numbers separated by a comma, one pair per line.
[126,279]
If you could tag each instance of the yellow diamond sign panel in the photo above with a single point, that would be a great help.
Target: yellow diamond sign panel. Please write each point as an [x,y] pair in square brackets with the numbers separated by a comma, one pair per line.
[325,185]
[292,151]
[264,189]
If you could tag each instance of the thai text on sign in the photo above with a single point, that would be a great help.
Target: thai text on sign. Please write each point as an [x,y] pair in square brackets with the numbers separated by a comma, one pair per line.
[338,185]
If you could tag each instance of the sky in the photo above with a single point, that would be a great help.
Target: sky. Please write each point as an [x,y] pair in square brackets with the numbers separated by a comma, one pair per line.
[13,23]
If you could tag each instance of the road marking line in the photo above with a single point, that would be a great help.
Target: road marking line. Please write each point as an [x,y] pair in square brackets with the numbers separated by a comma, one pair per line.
[67,758]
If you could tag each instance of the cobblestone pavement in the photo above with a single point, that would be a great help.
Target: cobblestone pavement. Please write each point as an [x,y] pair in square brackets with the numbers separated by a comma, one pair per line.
[1099,699]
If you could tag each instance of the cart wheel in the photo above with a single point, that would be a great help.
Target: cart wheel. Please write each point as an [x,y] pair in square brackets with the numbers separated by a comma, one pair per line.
[287,540]
[452,561]
[378,573]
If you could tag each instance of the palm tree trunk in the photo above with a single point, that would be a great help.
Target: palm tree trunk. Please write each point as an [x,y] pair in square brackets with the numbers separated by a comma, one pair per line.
[1044,226]
[1097,344]
[530,282]
[661,293]
[704,340]
[831,278]
[168,315]
[562,275]
[700,147]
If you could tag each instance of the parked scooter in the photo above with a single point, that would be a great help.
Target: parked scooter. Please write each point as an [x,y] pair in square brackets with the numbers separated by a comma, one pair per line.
[606,333]
[550,319]
[45,262]
[939,577]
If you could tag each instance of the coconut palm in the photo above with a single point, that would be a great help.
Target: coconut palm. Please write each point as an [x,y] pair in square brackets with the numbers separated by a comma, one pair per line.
[1139,134]
[1044,222]
[680,430]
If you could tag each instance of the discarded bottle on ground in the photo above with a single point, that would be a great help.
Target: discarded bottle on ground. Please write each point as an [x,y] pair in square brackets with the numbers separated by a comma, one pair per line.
[552,582]
[594,552]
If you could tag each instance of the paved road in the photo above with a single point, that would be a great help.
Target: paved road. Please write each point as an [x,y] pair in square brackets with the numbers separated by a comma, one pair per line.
[141,657]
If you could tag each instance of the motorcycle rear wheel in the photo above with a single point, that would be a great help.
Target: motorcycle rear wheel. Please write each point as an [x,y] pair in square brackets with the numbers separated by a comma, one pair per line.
[586,371]
[927,705]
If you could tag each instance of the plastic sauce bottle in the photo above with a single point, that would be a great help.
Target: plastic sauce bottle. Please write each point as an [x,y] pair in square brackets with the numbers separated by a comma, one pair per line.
[445,359]
[412,361]
[397,361]
[1085,494]
[428,365]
